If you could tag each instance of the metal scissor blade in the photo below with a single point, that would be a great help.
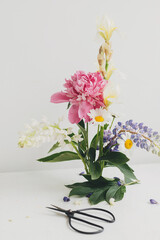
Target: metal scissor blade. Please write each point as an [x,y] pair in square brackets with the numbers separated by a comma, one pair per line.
[62,209]
[57,209]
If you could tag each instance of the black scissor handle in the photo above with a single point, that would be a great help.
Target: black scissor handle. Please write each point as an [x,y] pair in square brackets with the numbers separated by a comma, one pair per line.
[100,228]
[81,211]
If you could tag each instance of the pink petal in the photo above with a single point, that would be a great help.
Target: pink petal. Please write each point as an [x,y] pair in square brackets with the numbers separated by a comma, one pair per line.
[84,109]
[73,114]
[87,119]
[59,97]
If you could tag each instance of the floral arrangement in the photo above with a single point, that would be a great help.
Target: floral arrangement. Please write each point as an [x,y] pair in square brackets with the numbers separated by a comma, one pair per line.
[90,97]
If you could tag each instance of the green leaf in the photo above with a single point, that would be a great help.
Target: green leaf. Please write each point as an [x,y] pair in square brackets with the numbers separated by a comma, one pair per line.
[101,181]
[56,145]
[106,126]
[84,132]
[81,123]
[106,149]
[60,157]
[93,142]
[80,191]
[97,196]
[92,154]
[128,173]
[98,183]
[79,184]
[116,192]
[95,170]
[120,193]
[70,135]
[82,146]
[111,192]
[115,158]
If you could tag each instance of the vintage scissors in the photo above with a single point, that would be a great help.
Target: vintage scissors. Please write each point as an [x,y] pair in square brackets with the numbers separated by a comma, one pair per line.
[70,214]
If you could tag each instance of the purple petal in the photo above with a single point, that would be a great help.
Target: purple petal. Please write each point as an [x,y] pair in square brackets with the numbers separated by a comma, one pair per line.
[116,178]
[89,194]
[66,199]
[119,183]
[152,201]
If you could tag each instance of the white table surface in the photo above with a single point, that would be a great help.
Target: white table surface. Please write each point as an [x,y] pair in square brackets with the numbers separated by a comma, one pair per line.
[24,196]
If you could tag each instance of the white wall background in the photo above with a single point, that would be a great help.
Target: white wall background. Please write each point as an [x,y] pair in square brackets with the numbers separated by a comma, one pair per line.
[44,41]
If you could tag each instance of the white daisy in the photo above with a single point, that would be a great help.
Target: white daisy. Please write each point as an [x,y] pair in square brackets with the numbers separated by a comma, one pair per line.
[126,144]
[100,116]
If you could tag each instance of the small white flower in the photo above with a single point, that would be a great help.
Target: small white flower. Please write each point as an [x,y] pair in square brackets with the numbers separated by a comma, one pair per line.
[77,138]
[36,133]
[126,144]
[62,136]
[69,130]
[112,201]
[40,132]
[100,116]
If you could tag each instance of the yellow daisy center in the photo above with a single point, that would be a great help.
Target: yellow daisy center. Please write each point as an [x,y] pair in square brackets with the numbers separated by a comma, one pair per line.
[128,144]
[99,119]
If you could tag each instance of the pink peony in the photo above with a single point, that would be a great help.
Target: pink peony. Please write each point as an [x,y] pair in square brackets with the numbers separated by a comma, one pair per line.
[84,92]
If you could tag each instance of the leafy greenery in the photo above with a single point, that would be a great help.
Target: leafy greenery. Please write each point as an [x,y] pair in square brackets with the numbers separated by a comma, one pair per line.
[116,192]
[128,173]
[60,157]
[101,189]
[95,158]
[81,123]
[92,154]
[93,142]
[115,158]
[95,170]
[56,145]
[106,126]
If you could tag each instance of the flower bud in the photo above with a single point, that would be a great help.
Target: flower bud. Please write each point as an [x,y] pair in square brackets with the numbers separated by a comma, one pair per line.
[100,59]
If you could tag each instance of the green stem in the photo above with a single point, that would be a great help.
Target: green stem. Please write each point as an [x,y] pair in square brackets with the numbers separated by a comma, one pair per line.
[87,144]
[101,142]
[85,166]
[112,122]
[97,138]
[87,135]
[127,184]
[101,146]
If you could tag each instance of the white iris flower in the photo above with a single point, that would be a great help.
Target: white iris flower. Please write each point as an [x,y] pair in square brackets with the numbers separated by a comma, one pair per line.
[110,93]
